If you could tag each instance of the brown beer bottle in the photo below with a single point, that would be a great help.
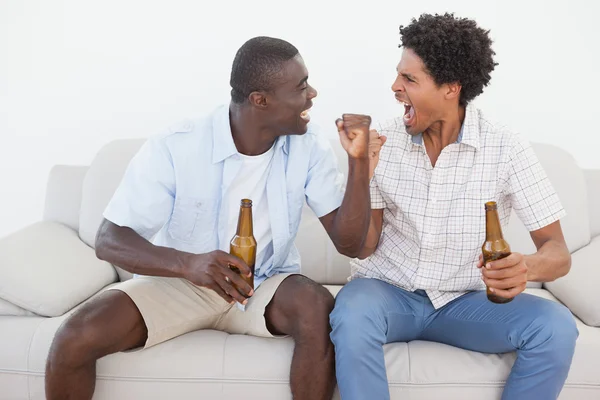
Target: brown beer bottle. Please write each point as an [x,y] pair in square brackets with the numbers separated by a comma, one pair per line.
[243,243]
[494,247]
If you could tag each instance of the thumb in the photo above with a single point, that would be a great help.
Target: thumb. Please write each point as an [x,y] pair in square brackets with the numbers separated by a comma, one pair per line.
[383,139]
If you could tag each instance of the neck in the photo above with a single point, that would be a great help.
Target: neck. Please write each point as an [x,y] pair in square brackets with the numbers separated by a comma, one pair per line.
[445,131]
[250,137]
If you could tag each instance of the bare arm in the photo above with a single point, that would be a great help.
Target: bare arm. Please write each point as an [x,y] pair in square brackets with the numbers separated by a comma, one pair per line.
[348,224]
[123,247]
[372,240]
[351,227]
[552,260]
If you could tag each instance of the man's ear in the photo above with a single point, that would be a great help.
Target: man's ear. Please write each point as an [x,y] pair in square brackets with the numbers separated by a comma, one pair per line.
[453,90]
[258,99]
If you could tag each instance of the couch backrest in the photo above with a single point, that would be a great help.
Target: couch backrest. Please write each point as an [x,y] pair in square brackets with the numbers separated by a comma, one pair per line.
[320,260]
[569,182]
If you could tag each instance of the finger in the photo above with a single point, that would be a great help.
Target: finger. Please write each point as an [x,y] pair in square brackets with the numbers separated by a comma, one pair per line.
[383,139]
[506,273]
[231,291]
[342,132]
[507,262]
[356,121]
[217,289]
[505,283]
[357,118]
[237,280]
[510,293]
[238,263]
[480,262]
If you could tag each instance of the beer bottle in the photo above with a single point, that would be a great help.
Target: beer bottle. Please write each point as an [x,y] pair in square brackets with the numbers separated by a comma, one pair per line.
[243,243]
[494,247]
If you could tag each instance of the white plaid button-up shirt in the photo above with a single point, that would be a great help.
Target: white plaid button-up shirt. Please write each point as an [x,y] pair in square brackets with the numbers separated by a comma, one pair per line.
[434,217]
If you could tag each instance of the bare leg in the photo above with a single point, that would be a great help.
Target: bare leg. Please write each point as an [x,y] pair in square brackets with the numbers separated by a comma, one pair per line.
[301,308]
[108,324]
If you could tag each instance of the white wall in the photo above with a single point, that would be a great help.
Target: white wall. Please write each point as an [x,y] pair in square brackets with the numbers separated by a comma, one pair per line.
[77,74]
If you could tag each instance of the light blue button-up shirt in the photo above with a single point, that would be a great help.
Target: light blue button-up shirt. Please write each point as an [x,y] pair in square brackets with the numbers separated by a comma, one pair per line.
[173,189]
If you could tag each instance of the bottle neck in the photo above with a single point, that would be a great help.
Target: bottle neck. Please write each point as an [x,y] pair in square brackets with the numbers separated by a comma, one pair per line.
[244,227]
[493,230]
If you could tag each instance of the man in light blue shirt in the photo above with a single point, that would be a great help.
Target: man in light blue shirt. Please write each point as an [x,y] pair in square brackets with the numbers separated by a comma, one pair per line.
[173,215]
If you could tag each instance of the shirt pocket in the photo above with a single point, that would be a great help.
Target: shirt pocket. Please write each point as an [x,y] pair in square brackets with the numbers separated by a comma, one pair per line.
[193,220]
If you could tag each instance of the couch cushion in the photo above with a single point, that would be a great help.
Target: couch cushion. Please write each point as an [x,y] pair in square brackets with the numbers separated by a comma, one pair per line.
[16,335]
[8,308]
[579,289]
[216,365]
[100,183]
[569,182]
[592,178]
[46,269]
[63,195]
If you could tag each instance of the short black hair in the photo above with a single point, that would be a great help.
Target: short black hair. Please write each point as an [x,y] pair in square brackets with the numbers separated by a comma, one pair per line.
[453,50]
[257,64]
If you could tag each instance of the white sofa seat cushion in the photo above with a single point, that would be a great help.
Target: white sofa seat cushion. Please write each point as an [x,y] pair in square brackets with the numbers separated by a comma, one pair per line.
[46,269]
[217,365]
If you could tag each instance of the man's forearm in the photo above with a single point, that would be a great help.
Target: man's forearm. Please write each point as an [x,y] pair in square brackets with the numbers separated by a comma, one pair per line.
[550,262]
[371,240]
[351,222]
[126,249]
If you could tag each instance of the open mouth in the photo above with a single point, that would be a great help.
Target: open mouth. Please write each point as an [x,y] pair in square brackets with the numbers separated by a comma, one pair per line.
[409,114]
[305,116]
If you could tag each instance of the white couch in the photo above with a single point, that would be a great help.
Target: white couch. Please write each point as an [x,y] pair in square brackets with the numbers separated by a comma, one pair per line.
[48,268]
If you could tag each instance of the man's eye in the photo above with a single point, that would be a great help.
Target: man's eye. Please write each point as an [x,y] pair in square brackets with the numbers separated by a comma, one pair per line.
[304,88]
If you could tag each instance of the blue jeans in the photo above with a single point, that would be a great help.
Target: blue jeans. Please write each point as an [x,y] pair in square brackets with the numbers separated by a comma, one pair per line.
[369,313]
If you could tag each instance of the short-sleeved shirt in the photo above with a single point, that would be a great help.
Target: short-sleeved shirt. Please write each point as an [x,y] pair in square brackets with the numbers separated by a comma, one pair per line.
[434,217]
[174,188]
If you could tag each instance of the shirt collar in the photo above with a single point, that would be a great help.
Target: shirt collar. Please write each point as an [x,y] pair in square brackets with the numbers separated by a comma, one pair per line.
[469,131]
[223,145]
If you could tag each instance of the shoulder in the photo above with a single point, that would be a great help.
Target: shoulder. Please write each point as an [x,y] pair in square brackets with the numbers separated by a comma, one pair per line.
[187,134]
[498,137]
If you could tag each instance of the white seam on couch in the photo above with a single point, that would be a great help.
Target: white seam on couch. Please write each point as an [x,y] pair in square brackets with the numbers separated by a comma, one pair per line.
[284,381]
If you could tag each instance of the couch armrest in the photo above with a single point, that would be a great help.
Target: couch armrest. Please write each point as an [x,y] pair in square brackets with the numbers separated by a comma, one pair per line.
[63,195]
[578,290]
[46,269]
[592,180]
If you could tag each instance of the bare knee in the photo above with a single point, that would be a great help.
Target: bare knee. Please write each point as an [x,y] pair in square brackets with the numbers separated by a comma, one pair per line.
[303,308]
[106,325]
[74,344]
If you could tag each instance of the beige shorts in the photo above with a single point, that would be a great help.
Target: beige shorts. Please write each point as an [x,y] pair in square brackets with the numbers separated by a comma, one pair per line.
[173,306]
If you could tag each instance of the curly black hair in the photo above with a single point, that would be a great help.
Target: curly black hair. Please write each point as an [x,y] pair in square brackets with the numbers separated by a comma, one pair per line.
[453,50]
[256,64]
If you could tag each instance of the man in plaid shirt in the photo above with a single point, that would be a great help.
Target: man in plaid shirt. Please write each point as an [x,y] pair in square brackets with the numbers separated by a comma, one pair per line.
[419,274]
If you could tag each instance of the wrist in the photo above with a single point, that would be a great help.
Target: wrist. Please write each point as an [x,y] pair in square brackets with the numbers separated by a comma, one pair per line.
[530,262]
[358,160]
[181,261]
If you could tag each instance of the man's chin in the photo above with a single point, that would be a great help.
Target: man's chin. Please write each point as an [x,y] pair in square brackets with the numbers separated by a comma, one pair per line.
[411,130]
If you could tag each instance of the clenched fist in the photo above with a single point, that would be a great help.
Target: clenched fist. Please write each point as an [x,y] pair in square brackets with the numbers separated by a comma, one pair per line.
[354,134]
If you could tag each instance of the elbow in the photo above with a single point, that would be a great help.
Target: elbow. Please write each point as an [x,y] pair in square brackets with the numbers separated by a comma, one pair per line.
[351,252]
[100,247]
[101,243]
[566,266]
[563,270]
